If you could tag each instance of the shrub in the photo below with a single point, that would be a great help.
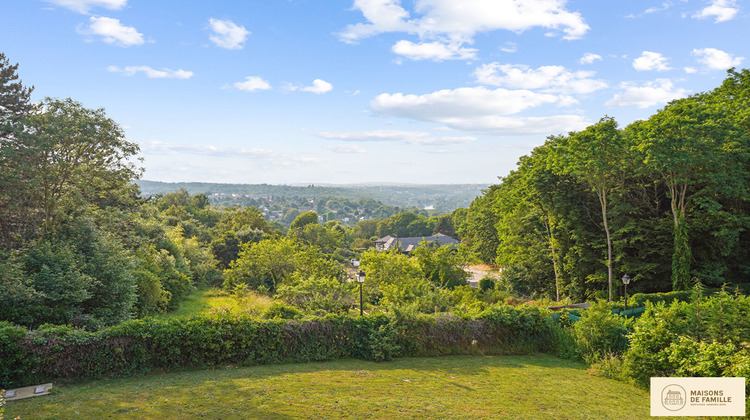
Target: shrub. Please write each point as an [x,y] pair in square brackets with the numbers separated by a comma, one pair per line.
[600,332]
[283,311]
[144,345]
[700,337]
[640,299]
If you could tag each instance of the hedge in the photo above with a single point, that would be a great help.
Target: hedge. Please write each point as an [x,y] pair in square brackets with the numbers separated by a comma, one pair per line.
[146,345]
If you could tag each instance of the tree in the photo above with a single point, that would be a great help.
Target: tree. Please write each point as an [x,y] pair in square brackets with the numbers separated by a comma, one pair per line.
[269,263]
[441,265]
[79,153]
[684,146]
[595,156]
[304,219]
[14,106]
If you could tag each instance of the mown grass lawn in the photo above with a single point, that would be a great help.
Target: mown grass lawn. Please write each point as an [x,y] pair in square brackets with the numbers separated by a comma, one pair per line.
[513,387]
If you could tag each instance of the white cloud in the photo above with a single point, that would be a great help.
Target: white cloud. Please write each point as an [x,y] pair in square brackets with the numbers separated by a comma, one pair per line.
[664,6]
[509,47]
[84,6]
[436,51]
[651,61]
[549,79]
[717,59]
[382,15]
[453,23]
[658,92]
[509,126]
[411,137]
[589,58]
[227,34]
[480,110]
[690,70]
[112,32]
[152,73]
[319,86]
[723,10]
[252,83]
[461,102]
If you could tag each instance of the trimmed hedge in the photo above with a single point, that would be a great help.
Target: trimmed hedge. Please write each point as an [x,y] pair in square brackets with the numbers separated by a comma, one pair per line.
[146,345]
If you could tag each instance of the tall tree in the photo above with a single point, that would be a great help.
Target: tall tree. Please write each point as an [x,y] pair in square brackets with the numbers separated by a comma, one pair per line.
[79,153]
[15,104]
[683,145]
[595,156]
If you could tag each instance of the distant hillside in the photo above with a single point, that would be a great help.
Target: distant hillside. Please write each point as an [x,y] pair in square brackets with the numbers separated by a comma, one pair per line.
[443,198]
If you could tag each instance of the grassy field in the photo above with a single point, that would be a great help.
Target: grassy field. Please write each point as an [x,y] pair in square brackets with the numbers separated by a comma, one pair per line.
[512,387]
[204,301]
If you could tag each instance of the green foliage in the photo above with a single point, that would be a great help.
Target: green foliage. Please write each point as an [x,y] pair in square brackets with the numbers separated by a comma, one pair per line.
[318,295]
[303,220]
[667,341]
[269,263]
[486,283]
[441,266]
[600,333]
[640,299]
[279,310]
[143,345]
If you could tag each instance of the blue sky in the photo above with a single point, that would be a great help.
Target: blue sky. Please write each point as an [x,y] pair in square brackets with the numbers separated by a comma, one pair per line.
[414,91]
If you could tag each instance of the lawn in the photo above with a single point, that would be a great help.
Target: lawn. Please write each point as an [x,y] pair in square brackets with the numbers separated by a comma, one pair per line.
[204,301]
[513,387]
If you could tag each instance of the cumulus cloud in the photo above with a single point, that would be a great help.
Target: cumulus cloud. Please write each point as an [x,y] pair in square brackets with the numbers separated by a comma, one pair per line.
[436,51]
[443,26]
[651,61]
[589,58]
[715,59]
[549,79]
[112,32]
[722,10]
[252,83]
[84,6]
[461,102]
[480,109]
[319,86]
[649,94]
[152,73]
[227,34]
[411,137]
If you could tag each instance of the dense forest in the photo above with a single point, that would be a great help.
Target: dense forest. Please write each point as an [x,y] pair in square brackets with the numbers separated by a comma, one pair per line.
[665,200]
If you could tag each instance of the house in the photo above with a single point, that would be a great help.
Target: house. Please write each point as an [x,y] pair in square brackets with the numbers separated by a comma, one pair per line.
[408,244]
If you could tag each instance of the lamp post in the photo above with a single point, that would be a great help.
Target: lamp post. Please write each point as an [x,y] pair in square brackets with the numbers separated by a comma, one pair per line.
[625,281]
[360,280]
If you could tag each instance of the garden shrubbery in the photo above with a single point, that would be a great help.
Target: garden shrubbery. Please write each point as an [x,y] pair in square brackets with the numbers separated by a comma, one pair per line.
[144,345]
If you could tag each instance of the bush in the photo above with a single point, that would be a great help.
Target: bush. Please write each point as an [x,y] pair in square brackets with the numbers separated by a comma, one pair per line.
[144,345]
[702,337]
[600,332]
[640,299]
[282,311]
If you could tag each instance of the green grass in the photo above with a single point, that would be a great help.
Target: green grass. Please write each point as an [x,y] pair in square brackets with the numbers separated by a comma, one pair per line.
[204,301]
[513,387]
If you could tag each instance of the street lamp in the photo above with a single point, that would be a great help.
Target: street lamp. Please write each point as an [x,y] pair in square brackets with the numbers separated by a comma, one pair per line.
[625,281]
[360,280]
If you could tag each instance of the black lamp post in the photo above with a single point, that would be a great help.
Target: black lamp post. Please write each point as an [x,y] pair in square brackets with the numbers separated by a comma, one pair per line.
[625,281]
[360,280]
